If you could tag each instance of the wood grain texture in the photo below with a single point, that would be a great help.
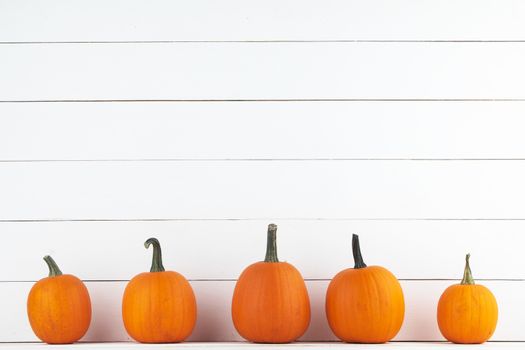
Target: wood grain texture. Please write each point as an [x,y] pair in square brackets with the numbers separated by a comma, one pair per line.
[214,319]
[262,20]
[252,130]
[203,71]
[197,164]
[221,249]
[262,189]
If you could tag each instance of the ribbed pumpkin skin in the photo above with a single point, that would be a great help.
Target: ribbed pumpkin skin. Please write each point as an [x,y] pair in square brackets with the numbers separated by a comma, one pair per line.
[59,309]
[270,303]
[159,307]
[467,314]
[365,305]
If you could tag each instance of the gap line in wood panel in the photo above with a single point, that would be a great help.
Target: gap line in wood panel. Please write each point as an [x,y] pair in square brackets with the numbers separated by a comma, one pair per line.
[269,100]
[255,219]
[122,160]
[306,279]
[277,41]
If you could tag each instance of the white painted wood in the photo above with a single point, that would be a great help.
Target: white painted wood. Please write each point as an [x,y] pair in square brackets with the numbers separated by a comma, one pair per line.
[246,345]
[263,71]
[199,181]
[261,20]
[261,189]
[221,249]
[214,320]
[252,130]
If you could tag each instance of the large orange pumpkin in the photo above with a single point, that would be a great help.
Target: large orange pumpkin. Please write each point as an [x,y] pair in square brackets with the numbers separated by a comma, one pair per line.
[364,304]
[58,307]
[467,312]
[159,306]
[270,302]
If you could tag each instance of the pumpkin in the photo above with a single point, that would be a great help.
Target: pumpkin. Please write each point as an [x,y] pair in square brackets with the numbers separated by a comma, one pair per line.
[58,307]
[159,306]
[270,302]
[364,304]
[467,312]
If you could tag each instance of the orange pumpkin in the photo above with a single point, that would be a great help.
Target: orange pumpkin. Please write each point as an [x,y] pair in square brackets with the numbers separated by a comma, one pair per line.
[58,307]
[270,302]
[364,304]
[467,312]
[159,306]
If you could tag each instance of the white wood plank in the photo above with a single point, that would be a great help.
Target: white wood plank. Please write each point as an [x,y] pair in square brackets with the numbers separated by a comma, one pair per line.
[261,20]
[261,189]
[214,320]
[221,249]
[251,130]
[348,70]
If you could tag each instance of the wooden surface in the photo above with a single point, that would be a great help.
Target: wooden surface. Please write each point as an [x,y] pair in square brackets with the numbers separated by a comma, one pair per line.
[263,189]
[200,122]
[263,71]
[113,20]
[271,130]
[220,249]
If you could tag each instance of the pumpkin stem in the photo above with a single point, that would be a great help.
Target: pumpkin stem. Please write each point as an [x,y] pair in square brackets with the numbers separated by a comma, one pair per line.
[356,250]
[53,267]
[156,263]
[271,244]
[467,275]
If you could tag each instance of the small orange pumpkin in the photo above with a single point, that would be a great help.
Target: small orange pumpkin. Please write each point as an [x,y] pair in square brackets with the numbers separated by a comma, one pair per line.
[467,312]
[364,304]
[159,306]
[58,307]
[270,302]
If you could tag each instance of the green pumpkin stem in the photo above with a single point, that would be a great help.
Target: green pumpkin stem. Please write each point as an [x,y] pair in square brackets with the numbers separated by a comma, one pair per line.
[156,263]
[467,275]
[356,250]
[271,244]
[53,267]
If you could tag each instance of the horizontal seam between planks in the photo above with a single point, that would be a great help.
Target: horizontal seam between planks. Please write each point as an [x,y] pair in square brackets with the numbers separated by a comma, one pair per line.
[306,279]
[255,219]
[123,160]
[267,41]
[267,100]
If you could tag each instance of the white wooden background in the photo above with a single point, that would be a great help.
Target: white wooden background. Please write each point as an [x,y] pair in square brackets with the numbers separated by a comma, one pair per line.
[199,122]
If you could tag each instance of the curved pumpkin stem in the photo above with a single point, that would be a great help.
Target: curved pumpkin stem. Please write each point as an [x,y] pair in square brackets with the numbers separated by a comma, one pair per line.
[53,267]
[156,263]
[356,250]
[467,275]
[271,244]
